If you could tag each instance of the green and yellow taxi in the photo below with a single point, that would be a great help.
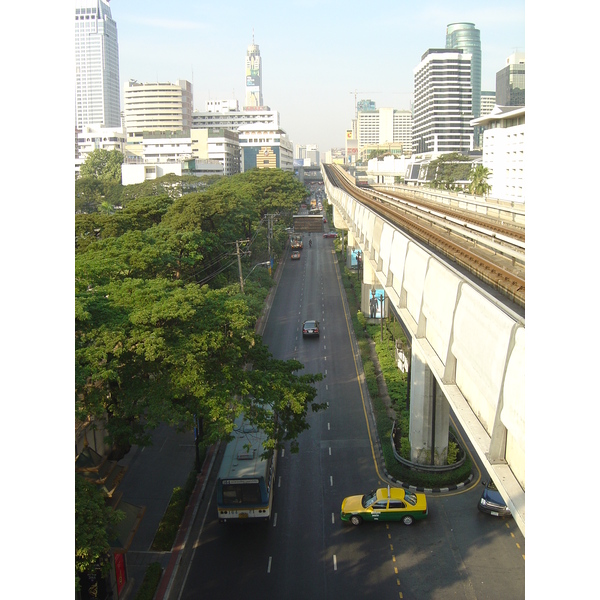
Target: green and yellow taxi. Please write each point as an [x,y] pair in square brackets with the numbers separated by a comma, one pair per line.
[385,504]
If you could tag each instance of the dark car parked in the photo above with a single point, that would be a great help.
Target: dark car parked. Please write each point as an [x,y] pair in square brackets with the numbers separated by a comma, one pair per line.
[491,502]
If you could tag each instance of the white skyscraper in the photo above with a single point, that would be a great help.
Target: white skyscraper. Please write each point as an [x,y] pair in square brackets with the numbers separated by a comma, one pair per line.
[443,102]
[97,98]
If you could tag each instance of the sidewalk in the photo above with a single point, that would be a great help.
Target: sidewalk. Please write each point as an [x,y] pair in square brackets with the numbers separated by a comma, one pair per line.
[152,473]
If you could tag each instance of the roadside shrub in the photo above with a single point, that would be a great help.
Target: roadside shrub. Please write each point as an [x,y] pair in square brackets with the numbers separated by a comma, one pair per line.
[169,525]
[150,582]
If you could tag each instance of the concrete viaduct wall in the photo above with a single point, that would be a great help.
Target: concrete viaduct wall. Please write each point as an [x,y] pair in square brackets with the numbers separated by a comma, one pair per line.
[463,341]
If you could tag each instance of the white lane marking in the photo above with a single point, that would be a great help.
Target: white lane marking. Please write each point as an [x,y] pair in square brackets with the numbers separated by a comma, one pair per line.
[334,562]
[269,566]
[331,480]
[275,520]
[333,517]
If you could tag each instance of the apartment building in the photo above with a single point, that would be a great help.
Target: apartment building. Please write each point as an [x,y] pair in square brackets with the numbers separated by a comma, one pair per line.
[156,107]
[504,151]
[384,128]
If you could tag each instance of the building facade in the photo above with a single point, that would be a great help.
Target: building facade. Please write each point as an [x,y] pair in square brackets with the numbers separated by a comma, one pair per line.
[488,101]
[219,145]
[442,109]
[226,114]
[254,97]
[97,96]
[504,151]
[510,81]
[92,138]
[385,128]
[264,148]
[156,107]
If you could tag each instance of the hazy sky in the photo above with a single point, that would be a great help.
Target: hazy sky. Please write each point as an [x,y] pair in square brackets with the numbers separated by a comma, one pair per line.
[315,53]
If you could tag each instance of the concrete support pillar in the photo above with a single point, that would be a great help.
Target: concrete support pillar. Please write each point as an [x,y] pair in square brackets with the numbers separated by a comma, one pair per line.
[338,220]
[429,414]
[369,282]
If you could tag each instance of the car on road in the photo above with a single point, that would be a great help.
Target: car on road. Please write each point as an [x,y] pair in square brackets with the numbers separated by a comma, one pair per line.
[295,255]
[330,234]
[491,502]
[310,328]
[385,504]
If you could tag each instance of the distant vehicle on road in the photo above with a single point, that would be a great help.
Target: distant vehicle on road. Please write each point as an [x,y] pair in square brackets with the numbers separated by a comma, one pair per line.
[330,234]
[295,255]
[310,328]
[385,504]
[491,502]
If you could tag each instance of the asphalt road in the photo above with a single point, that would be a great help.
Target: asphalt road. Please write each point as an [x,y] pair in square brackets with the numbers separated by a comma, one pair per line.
[305,551]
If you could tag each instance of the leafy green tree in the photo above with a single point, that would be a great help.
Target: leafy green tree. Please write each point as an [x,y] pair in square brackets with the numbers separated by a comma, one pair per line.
[94,527]
[89,192]
[103,164]
[478,177]
[444,171]
[154,346]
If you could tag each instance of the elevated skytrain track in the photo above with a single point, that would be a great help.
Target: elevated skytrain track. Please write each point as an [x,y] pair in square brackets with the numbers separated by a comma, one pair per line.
[489,248]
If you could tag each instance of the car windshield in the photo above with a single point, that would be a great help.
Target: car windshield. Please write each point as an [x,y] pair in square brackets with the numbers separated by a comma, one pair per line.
[309,324]
[369,498]
[410,498]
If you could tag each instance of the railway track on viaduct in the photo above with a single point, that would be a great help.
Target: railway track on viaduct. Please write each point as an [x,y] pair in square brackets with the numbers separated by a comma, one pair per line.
[491,250]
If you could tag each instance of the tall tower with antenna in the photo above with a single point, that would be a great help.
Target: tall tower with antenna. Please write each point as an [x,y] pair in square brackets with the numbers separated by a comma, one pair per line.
[254,97]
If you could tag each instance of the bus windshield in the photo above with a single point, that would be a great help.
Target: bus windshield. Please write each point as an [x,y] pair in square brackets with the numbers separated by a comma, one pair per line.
[241,493]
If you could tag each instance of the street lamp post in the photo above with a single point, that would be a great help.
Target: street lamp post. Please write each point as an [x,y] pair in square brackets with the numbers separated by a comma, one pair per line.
[381,300]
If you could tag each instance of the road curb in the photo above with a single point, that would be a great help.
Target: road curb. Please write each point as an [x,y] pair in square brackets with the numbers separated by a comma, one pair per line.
[166,582]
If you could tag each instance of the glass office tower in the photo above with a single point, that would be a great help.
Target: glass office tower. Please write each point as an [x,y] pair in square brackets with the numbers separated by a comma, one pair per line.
[464,36]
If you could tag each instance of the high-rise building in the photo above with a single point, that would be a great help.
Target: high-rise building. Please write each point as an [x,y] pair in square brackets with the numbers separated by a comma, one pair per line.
[385,127]
[156,107]
[97,97]
[466,37]
[510,81]
[488,101]
[442,108]
[254,97]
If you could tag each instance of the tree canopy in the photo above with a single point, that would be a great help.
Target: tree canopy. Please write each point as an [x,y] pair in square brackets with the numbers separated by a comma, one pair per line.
[445,171]
[94,524]
[162,330]
[104,165]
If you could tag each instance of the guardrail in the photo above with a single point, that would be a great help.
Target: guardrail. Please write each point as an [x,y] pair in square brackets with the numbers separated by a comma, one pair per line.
[427,468]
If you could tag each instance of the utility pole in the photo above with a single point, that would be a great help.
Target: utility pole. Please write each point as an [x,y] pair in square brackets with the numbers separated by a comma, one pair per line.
[239,260]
